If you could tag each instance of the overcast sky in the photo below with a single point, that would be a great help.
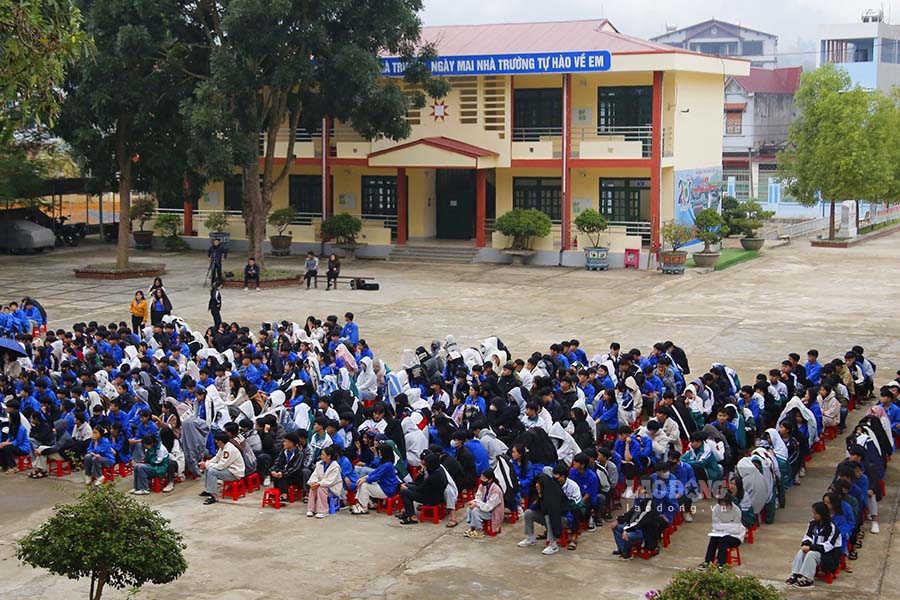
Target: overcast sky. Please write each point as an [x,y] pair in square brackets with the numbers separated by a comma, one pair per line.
[793,21]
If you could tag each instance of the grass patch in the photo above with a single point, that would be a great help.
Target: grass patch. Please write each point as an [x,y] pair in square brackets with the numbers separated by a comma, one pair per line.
[268,275]
[728,258]
[111,267]
[877,226]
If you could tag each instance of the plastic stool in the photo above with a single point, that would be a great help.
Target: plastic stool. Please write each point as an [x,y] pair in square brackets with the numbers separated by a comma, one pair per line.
[488,528]
[109,475]
[351,497]
[294,494]
[632,258]
[389,505]
[125,469]
[25,462]
[234,489]
[251,482]
[156,484]
[883,489]
[334,504]
[734,556]
[513,516]
[271,497]
[831,432]
[62,467]
[433,513]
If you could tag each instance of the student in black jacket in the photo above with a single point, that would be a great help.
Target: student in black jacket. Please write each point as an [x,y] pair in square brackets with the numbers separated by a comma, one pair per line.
[251,273]
[215,302]
[639,524]
[821,547]
[428,490]
[288,469]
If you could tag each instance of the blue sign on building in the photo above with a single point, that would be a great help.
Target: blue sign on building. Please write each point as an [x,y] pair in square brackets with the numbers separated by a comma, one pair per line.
[509,64]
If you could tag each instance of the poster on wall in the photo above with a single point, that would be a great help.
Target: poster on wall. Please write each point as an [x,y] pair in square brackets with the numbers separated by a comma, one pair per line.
[346,202]
[579,205]
[209,201]
[696,190]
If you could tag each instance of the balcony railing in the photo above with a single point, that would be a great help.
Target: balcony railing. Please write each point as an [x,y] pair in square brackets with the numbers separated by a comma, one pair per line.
[614,133]
[619,136]
[535,134]
[389,221]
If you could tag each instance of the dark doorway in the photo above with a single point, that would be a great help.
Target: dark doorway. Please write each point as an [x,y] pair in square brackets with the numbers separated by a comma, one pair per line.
[456,204]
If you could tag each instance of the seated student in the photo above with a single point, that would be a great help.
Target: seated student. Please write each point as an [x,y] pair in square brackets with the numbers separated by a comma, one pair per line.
[428,490]
[851,514]
[320,438]
[99,456]
[685,484]
[325,481]
[156,464]
[525,470]
[833,501]
[487,506]
[727,531]
[119,444]
[348,473]
[606,414]
[821,547]
[663,489]
[379,483]
[43,440]
[288,469]
[639,524]
[144,427]
[635,451]
[226,465]
[81,438]
[549,506]
[701,459]
[13,441]
[251,273]
[588,484]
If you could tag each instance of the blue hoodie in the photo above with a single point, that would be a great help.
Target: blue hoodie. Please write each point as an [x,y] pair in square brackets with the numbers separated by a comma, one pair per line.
[482,460]
[385,476]
[103,448]
[347,471]
[587,483]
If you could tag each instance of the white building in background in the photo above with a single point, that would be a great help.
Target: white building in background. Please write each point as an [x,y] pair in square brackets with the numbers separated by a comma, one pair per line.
[867,50]
[725,39]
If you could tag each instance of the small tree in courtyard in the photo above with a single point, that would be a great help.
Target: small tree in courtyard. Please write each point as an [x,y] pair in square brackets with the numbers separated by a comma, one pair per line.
[710,227]
[523,226]
[112,539]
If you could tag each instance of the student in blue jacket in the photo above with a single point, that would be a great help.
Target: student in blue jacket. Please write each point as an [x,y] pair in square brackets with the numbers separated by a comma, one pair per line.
[119,443]
[99,456]
[606,414]
[380,483]
[14,443]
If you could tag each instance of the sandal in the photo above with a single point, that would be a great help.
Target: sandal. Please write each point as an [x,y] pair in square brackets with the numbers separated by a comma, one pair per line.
[542,536]
[406,520]
[572,545]
[451,524]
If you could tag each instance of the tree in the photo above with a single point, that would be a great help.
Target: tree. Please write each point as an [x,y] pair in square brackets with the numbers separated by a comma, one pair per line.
[837,146]
[121,113]
[112,539]
[277,65]
[710,227]
[39,39]
[592,224]
[523,225]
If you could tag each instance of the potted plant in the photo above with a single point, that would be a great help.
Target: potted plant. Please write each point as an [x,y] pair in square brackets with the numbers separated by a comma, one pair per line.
[281,219]
[591,223]
[523,226]
[142,211]
[675,236]
[169,224]
[343,228]
[217,224]
[710,228]
[745,218]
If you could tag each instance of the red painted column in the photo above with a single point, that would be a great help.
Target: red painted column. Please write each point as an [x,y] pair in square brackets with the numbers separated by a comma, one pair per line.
[188,218]
[567,154]
[401,206]
[326,170]
[655,161]
[480,206]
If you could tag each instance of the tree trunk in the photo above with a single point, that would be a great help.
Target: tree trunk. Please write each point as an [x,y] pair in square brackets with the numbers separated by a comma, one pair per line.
[831,222]
[857,215]
[123,157]
[257,203]
[101,581]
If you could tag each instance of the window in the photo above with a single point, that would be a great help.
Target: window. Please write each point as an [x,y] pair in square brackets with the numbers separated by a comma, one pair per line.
[234,193]
[752,48]
[889,51]
[620,199]
[733,123]
[542,193]
[305,193]
[536,113]
[379,195]
[626,111]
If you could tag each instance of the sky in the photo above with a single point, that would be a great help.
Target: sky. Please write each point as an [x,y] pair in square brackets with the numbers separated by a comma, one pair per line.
[795,22]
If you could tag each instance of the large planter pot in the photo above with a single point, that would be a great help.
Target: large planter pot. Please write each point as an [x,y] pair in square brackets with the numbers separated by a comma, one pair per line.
[596,259]
[672,261]
[223,237]
[748,243]
[281,245]
[706,260]
[518,256]
[143,240]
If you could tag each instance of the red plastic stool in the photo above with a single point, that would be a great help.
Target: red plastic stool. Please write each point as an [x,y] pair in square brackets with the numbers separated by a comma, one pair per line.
[831,432]
[734,556]
[513,516]
[433,513]
[234,489]
[827,577]
[62,467]
[109,475]
[156,484]
[251,482]
[125,469]
[467,495]
[351,497]
[667,536]
[883,489]
[819,446]
[750,531]
[25,462]
[389,505]
[294,493]
[271,497]
[488,528]
[413,472]
[632,258]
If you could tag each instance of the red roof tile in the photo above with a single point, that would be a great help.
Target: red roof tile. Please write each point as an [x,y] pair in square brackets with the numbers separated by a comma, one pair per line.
[443,143]
[735,106]
[772,81]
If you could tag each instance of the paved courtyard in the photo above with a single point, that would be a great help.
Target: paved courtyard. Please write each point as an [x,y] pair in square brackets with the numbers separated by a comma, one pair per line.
[791,299]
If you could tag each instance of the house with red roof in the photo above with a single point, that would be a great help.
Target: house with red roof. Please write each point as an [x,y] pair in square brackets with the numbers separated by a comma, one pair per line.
[557,116]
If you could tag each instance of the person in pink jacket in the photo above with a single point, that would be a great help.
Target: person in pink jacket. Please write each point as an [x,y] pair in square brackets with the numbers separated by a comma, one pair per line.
[487,506]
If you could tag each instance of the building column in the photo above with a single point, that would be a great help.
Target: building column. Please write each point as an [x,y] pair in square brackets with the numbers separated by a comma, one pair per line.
[480,206]
[567,171]
[401,206]
[188,218]
[326,170]
[655,163]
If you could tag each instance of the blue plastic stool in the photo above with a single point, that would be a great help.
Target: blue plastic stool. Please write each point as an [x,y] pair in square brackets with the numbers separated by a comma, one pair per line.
[334,504]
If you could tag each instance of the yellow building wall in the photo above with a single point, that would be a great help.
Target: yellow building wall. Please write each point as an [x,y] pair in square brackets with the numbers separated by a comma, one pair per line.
[422,203]
[667,203]
[699,102]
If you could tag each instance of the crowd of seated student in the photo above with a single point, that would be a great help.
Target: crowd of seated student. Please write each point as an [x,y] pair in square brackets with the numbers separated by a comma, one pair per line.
[555,437]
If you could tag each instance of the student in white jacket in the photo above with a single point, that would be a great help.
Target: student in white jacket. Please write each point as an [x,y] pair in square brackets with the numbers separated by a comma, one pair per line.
[324,481]
[727,531]
[226,465]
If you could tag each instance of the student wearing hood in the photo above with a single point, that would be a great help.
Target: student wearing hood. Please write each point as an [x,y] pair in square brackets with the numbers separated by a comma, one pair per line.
[640,524]
[566,448]
[382,482]
[548,506]
[416,441]
[779,449]
[755,487]
[503,419]
[428,490]
[488,439]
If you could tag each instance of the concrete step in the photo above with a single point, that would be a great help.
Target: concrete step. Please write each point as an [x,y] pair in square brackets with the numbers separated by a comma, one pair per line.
[433,254]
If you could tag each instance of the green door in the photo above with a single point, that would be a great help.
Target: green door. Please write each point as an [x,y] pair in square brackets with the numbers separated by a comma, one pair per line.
[455,204]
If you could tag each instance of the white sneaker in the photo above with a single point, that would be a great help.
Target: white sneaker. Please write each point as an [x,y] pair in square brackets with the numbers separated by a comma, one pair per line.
[98,482]
[169,487]
[320,515]
[245,289]
[257,289]
[529,541]
[875,528]
[310,513]
[86,480]
[267,482]
[629,493]
[141,492]
[688,517]
[551,549]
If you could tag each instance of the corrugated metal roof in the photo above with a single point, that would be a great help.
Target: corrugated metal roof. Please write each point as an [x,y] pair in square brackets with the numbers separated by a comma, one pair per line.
[772,81]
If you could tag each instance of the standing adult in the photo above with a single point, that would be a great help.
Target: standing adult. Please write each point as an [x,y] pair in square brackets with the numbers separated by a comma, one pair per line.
[159,306]
[138,312]
[215,302]
[216,253]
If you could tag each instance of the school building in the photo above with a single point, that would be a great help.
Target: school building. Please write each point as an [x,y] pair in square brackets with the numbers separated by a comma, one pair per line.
[557,116]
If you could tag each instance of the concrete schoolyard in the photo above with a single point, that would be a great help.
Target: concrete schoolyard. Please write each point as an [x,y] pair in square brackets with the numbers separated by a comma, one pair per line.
[750,316]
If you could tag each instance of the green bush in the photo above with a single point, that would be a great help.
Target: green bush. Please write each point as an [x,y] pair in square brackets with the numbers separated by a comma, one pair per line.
[710,227]
[217,222]
[142,211]
[676,235]
[714,584]
[744,218]
[592,224]
[282,218]
[343,228]
[169,224]
[523,225]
